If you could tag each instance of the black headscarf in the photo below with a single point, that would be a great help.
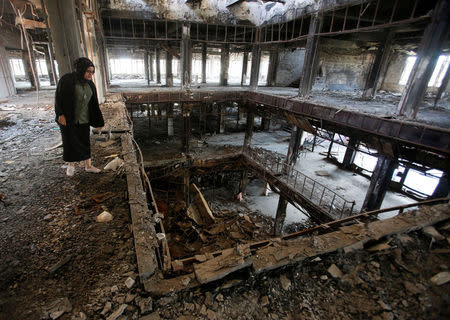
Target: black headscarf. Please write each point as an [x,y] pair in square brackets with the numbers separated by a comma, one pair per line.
[81,65]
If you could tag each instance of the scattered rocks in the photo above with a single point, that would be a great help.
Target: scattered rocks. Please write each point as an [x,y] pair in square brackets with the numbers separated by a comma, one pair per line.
[145,304]
[116,314]
[106,309]
[130,282]
[264,301]
[441,278]
[152,316]
[57,308]
[48,217]
[285,282]
[335,272]
[105,216]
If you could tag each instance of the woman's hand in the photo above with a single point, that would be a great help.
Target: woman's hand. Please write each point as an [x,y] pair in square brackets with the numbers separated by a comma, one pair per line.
[62,120]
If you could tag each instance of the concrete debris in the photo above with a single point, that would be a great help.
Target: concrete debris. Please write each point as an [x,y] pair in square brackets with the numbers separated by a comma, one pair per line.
[145,304]
[152,316]
[335,272]
[106,308]
[322,173]
[114,288]
[105,216]
[285,282]
[57,308]
[219,297]
[264,301]
[116,314]
[59,264]
[324,277]
[48,217]
[433,233]
[384,305]
[380,247]
[130,282]
[114,164]
[211,315]
[79,316]
[106,143]
[441,278]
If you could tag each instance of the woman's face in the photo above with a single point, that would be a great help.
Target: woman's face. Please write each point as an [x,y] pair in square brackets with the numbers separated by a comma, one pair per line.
[89,73]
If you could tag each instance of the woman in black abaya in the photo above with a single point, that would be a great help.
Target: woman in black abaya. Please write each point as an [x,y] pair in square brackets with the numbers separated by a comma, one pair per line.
[77,108]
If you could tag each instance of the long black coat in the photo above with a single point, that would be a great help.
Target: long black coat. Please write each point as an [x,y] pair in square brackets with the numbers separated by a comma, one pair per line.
[64,101]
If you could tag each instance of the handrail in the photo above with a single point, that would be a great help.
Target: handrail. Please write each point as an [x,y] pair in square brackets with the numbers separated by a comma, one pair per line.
[316,192]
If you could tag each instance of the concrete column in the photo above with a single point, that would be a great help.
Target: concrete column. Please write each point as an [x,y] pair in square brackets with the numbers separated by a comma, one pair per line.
[50,64]
[294,146]
[265,123]
[379,67]
[6,75]
[186,127]
[151,57]
[29,61]
[256,58]
[170,120]
[221,118]
[65,33]
[204,56]
[169,74]
[311,56]
[350,152]
[280,216]
[244,68]
[146,67]
[433,41]
[186,56]
[158,66]
[379,183]
[224,64]
[273,66]
[249,128]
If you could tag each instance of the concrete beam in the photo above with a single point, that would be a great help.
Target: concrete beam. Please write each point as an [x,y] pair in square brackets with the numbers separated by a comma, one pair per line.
[294,146]
[146,67]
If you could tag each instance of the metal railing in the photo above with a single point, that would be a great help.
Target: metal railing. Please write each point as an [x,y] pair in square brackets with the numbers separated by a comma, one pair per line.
[319,194]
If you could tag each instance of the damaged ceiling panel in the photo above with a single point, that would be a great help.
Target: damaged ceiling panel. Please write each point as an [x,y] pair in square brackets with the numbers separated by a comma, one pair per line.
[255,12]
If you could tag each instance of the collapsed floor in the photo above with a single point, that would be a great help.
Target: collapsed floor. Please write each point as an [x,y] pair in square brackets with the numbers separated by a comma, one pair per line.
[58,259]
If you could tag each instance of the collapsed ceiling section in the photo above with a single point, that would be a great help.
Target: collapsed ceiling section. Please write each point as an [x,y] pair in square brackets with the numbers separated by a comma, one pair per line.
[255,12]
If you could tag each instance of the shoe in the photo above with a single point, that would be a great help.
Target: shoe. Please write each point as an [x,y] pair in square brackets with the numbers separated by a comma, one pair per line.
[92,169]
[70,170]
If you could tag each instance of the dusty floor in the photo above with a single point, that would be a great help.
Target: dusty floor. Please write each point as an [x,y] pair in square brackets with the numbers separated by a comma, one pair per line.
[39,228]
